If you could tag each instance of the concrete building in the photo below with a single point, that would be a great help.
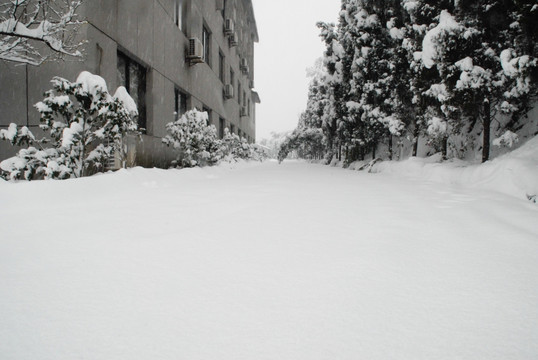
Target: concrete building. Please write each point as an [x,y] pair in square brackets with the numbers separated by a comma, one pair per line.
[171,55]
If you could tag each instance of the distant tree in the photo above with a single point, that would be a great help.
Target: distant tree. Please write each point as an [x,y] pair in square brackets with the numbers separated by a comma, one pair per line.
[35,31]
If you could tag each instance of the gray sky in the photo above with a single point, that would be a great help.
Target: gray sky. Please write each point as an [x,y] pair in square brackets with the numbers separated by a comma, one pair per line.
[289,44]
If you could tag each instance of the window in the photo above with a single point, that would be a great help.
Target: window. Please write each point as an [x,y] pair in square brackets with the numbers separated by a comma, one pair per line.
[208,111]
[244,98]
[248,109]
[206,42]
[180,14]
[232,77]
[132,76]
[221,67]
[232,128]
[221,128]
[181,103]
[224,8]
[239,92]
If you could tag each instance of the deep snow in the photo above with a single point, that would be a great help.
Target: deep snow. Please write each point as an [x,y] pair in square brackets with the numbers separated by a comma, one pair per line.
[266,261]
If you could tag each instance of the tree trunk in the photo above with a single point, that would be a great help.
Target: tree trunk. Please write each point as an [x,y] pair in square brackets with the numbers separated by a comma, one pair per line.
[415,137]
[390,147]
[486,122]
[444,150]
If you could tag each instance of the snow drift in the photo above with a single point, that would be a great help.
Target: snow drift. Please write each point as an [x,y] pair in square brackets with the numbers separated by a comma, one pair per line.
[515,173]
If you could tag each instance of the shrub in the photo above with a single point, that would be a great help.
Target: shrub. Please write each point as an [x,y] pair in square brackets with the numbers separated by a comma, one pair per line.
[85,126]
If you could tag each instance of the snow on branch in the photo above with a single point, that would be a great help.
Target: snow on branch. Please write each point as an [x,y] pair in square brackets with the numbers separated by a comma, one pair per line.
[28,26]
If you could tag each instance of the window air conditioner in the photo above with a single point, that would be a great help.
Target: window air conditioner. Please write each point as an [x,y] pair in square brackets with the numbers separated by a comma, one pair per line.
[195,53]
[244,65]
[234,39]
[244,111]
[229,27]
[229,91]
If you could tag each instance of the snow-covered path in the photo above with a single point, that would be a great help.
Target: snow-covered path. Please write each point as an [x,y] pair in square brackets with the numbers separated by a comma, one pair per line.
[263,261]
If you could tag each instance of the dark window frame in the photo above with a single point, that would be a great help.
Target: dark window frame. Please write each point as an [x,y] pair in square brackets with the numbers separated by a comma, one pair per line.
[206,43]
[131,67]
[180,15]
[208,111]
[222,125]
[221,66]
[180,98]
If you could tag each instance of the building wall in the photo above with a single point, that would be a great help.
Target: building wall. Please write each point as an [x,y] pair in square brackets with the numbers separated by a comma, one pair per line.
[145,31]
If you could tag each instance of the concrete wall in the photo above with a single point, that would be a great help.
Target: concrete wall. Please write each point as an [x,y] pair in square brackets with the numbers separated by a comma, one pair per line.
[145,31]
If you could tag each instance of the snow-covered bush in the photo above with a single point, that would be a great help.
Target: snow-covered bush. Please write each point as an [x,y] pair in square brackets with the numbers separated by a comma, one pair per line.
[16,136]
[85,126]
[196,140]
[199,145]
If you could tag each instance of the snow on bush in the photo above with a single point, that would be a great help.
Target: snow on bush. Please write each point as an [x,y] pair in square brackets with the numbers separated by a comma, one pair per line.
[507,139]
[199,145]
[85,124]
[17,136]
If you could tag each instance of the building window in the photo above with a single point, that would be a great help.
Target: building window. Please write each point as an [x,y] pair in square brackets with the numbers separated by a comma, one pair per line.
[132,76]
[232,129]
[180,15]
[224,8]
[206,42]
[181,103]
[244,98]
[208,111]
[221,67]
[221,128]
[239,92]
[232,77]
[248,109]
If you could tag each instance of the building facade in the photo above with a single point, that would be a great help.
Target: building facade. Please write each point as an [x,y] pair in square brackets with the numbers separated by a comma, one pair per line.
[171,55]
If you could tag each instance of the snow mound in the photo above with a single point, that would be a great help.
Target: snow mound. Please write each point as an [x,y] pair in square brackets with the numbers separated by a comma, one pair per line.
[123,96]
[515,173]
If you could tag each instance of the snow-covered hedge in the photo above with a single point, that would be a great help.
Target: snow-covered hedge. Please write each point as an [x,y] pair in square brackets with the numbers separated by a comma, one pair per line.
[199,145]
[85,126]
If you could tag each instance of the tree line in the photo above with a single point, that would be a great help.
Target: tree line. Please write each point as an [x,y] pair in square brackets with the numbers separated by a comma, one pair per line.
[409,69]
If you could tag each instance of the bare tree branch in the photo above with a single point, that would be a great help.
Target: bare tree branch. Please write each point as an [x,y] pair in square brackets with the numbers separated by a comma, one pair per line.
[24,24]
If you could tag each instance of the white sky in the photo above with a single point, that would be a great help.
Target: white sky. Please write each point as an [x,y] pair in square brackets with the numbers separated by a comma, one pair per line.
[289,44]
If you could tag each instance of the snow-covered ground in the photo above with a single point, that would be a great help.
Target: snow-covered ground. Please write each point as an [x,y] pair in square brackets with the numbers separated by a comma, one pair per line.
[266,261]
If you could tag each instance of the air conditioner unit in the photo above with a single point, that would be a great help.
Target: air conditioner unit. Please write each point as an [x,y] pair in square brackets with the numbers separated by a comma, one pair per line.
[229,27]
[244,111]
[195,53]
[234,39]
[244,65]
[229,91]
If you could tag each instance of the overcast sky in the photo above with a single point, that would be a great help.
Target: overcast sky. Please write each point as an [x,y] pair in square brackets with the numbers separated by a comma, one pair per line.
[289,44]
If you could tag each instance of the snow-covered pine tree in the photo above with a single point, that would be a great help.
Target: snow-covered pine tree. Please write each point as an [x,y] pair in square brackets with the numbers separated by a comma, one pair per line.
[335,110]
[495,75]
